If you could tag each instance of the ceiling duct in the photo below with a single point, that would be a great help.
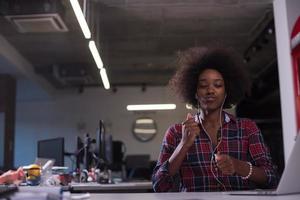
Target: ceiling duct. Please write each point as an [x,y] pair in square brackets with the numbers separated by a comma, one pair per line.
[38,23]
[70,75]
[35,16]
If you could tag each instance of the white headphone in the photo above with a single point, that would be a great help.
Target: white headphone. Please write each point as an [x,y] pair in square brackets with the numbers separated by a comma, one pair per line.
[199,118]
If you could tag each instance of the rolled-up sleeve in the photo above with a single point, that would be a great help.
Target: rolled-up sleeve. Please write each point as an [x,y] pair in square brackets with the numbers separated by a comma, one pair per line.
[261,156]
[161,180]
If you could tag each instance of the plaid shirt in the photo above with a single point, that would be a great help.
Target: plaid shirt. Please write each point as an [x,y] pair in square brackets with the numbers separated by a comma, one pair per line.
[240,139]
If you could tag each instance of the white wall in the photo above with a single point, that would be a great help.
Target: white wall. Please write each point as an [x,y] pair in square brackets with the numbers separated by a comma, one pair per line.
[285,14]
[60,116]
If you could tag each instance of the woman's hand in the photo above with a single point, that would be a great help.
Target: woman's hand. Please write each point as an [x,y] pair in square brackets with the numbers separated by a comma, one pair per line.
[190,130]
[225,163]
[13,176]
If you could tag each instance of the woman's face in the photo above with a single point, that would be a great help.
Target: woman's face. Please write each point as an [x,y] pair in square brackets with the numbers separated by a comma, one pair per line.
[210,90]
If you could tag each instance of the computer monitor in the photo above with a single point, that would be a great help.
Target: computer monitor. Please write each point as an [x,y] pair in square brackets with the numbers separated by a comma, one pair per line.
[119,150]
[79,152]
[52,149]
[137,161]
[109,148]
[138,166]
[104,145]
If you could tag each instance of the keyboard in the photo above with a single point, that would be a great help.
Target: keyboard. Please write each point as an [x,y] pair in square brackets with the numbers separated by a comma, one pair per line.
[7,189]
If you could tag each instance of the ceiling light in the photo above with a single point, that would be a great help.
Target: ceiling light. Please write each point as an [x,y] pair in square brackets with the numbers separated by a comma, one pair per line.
[95,54]
[104,78]
[151,107]
[80,18]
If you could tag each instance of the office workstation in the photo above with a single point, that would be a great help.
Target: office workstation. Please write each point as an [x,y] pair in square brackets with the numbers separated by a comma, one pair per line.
[56,103]
[100,166]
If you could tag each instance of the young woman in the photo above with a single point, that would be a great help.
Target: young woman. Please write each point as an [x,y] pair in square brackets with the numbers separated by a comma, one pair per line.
[212,150]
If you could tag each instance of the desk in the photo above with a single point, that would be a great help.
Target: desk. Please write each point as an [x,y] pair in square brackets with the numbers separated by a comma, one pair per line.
[123,187]
[188,196]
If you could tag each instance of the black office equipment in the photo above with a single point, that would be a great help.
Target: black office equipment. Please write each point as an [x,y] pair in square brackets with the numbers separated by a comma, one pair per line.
[6,190]
[88,156]
[138,167]
[119,150]
[79,152]
[109,148]
[100,141]
[96,153]
[52,149]
[104,145]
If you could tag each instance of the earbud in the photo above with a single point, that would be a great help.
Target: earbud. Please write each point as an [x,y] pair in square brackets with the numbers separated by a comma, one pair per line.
[196,96]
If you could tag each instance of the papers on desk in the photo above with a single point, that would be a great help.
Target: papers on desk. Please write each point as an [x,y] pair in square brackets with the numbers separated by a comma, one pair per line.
[37,193]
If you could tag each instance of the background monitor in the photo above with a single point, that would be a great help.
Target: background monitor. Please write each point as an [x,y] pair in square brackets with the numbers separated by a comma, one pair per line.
[119,150]
[79,152]
[109,148]
[104,144]
[52,149]
[138,166]
[104,149]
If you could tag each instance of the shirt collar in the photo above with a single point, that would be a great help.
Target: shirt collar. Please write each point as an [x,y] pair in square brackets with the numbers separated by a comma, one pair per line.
[228,117]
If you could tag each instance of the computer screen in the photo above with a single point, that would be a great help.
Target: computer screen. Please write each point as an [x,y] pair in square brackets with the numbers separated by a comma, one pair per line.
[52,149]
[104,148]
[79,152]
[109,148]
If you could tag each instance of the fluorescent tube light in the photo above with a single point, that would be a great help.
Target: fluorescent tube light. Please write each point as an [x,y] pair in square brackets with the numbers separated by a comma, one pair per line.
[104,78]
[81,19]
[151,107]
[95,54]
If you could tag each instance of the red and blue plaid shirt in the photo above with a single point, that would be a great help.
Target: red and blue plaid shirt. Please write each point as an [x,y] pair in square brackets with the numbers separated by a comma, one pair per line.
[240,139]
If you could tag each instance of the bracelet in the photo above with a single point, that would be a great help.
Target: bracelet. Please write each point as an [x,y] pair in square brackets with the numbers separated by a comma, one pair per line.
[250,172]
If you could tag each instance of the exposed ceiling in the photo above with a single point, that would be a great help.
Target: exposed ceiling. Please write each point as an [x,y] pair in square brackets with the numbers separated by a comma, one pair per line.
[137,39]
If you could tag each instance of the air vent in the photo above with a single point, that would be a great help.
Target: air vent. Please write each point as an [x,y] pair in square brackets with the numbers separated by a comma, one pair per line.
[38,23]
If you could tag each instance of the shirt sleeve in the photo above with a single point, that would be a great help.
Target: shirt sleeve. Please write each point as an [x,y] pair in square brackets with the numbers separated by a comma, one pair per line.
[161,180]
[261,155]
